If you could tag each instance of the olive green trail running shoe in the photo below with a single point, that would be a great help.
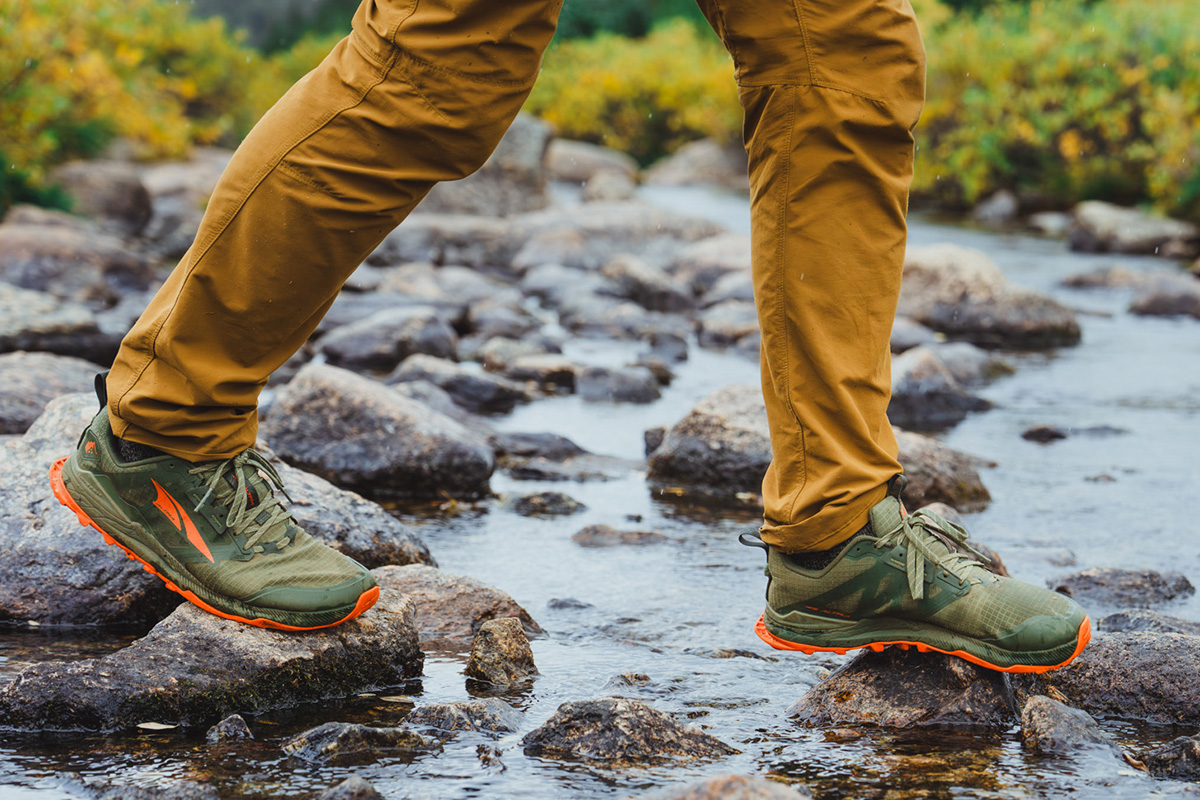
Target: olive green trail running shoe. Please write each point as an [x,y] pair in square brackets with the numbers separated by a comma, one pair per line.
[913,582]
[214,532]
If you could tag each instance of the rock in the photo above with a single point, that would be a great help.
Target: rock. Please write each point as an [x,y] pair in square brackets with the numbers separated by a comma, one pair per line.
[726,323]
[451,608]
[609,185]
[1049,727]
[1055,224]
[970,365]
[71,264]
[1000,208]
[616,731]
[904,689]
[705,162]
[110,190]
[1148,676]
[436,398]
[231,729]
[353,307]
[1043,434]
[908,333]
[346,742]
[1168,295]
[653,438]
[1112,277]
[360,435]
[925,395]
[351,524]
[939,474]
[545,504]
[37,321]
[1101,226]
[501,317]
[728,787]
[186,790]
[58,572]
[194,178]
[458,286]
[193,668]
[538,445]
[730,286]
[500,653]
[961,293]
[353,788]
[608,536]
[650,287]
[385,338]
[722,446]
[549,457]
[1179,759]
[704,263]
[568,603]
[474,391]
[464,239]
[617,384]
[577,162]
[511,181]
[498,353]
[1139,620]
[551,372]
[1124,587]
[28,381]
[490,715]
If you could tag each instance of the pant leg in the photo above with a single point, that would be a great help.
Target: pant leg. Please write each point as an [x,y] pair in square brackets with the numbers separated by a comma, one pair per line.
[831,91]
[418,93]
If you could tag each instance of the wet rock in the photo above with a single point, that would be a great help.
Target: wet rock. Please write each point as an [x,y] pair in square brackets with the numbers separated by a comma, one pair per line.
[1050,223]
[617,731]
[1148,676]
[608,536]
[549,457]
[109,190]
[904,689]
[346,742]
[70,263]
[1168,295]
[574,161]
[703,263]
[28,381]
[498,353]
[1101,226]
[436,398]
[194,668]
[231,729]
[500,653]
[729,787]
[564,287]
[705,162]
[908,333]
[545,504]
[1043,434]
[451,608]
[925,395]
[385,338]
[37,321]
[353,788]
[459,286]
[1050,727]
[721,446]
[609,185]
[474,391]
[58,572]
[730,286]
[608,318]
[970,365]
[465,239]
[1179,759]
[363,436]
[351,524]
[726,323]
[176,791]
[511,181]
[1000,208]
[549,371]
[501,317]
[1139,620]
[491,715]
[649,287]
[961,293]
[1111,277]
[1124,587]
[566,603]
[538,445]
[617,384]
[940,474]
[653,438]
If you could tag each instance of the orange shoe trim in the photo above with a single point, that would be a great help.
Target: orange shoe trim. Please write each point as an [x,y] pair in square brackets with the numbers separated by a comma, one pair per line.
[760,628]
[365,600]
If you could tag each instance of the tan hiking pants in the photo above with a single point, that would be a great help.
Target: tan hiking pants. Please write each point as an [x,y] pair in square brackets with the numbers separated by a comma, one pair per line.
[422,91]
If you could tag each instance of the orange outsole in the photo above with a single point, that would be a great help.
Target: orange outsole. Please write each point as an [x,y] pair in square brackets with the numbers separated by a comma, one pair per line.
[365,600]
[760,628]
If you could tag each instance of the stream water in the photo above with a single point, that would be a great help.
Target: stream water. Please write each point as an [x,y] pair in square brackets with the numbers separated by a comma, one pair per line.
[681,611]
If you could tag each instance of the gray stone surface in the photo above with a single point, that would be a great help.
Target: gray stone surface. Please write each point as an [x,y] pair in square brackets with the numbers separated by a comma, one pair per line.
[1048,726]
[1138,620]
[475,391]
[1123,587]
[491,715]
[31,320]
[500,653]
[1179,759]
[385,338]
[71,263]
[347,742]
[1101,226]
[926,395]
[940,474]
[28,381]
[577,162]
[109,190]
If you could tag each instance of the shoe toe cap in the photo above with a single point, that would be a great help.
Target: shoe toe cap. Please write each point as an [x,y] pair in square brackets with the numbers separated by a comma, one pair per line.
[314,598]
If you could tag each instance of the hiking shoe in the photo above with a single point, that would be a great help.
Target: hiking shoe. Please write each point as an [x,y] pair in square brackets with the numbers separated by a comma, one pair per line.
[912,581]
[214,532]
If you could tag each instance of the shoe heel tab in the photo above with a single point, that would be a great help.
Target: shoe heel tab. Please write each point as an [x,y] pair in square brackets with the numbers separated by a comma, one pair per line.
[753,540]
[102,389]
[896,486]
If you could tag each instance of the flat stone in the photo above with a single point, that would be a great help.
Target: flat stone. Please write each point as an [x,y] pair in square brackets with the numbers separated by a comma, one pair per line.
[1050,727]
[1123,587]
[1138,620]
[500,653]
[490,715]
[346,742]
[549,370]
[549,457]
[1101,226]
[28,381]
[729,787]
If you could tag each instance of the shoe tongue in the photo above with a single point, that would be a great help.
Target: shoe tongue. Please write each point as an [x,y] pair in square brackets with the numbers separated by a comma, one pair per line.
[885,516]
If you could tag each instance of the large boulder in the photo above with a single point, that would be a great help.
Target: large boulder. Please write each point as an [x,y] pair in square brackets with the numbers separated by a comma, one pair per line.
[28,381]
[361,435]
[195,668]
[71,263]
[961,293]
[109,190]
[1101,226]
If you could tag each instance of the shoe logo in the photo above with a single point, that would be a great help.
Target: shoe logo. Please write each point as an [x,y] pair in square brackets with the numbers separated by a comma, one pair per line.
[90,447]
[171,509]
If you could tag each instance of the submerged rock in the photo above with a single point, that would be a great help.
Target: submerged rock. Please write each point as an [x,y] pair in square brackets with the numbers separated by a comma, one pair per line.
[353,788]
[361,435]
[450,609]
[545,504]
[550,457]
[904,689]
[491,715]
[194,667]
[1149,621]
[344,742]
[500,653]
[28,381]
[925,395]
[1048,726]
[1043,434]
[175,791]
[231,729]
[617,732]
[940,474]
[1124,587]
[608,536]
[1178,759]
[729,787]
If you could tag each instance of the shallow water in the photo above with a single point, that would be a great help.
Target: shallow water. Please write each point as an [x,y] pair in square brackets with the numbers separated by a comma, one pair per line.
[681,611]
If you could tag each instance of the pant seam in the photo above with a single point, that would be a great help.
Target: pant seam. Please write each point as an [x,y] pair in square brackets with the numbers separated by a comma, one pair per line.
[814,85]
[808,53]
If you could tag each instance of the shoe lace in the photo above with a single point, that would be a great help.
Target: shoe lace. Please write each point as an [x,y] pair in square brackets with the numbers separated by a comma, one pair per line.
[916,532]
[260,518]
